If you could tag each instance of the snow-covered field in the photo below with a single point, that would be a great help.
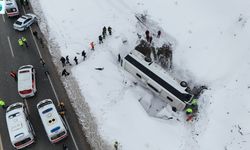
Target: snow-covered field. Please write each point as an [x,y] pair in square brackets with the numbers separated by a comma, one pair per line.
[211,47]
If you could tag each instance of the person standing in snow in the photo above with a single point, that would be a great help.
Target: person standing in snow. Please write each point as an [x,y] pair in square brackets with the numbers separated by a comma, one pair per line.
[67,60]
[150,39]
[84,54]
[76,60]
[116,145]
[159,34]
[147,36]
[92,46]
[104,30]
[110,30]
[100,39]
[65,73]
[103,34]
[63,61]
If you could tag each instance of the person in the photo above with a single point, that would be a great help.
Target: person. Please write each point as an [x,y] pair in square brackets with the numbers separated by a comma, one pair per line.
[116,145]
[104,31]
[35,34]
[65,147]
[100,39]
[189,111]
[194,105]
[42,62]
[159,34]
[150,39]
[2,104]
[83,54]
[119,58]
[65,73]
[63,61]
[20,42]
[13,74]
[92,46]
[110,30]
[61,108]
[67,60]
[22,2]
[103,34]
[76,60]
[147,36]
[147,33]
[25,41]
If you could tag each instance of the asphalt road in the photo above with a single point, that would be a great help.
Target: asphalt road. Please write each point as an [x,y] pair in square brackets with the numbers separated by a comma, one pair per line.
[12,56]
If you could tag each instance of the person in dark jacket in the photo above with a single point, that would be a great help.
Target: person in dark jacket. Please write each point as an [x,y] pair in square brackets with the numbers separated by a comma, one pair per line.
[76,60]
[84,54]
[159,34]
[104,30]
[65,73]
[67,60]
[110,30]
[100,39]
[63,61]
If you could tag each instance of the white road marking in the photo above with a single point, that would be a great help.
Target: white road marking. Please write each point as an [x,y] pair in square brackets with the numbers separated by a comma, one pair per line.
[57,99]
[39,52]
[12,53]
[27,106]
[1,143]
[73,138]
[3,18]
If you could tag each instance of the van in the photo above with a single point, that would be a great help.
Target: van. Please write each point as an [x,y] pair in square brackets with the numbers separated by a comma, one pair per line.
[26,81]
[11,8]
[53,123]
[20,129]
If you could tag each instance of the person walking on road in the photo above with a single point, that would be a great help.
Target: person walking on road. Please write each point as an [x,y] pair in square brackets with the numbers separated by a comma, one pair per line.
[13,75]
[20,42]
[35,34]
[84,54]
[65,73]
[63,61]
[25,41]
[110,30]
[42,62]
[2,104]
[76,60]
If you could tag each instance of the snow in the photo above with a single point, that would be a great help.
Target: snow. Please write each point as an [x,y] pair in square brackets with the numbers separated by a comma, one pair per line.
[211,47]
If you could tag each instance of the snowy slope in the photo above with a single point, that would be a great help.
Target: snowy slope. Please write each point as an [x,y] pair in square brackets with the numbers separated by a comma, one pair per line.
[211,47]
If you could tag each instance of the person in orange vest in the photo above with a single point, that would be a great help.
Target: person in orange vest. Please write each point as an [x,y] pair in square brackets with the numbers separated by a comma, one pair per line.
[13,74]
[92,46]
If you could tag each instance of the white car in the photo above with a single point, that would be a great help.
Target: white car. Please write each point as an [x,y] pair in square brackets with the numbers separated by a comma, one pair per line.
[24,22]
[26,81]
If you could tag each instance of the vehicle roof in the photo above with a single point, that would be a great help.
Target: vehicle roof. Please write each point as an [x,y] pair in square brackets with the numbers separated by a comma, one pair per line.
[10,4]
[25,77]
[47,113]
[17,125]
[158,75]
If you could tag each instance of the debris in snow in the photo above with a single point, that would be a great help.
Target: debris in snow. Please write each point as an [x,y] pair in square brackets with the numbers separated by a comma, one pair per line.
[99,68]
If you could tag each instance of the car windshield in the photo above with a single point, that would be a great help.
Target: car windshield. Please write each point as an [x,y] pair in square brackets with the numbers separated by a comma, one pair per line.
[18,22]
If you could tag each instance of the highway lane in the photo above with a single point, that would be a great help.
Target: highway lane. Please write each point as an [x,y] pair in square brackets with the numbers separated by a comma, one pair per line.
[8,87]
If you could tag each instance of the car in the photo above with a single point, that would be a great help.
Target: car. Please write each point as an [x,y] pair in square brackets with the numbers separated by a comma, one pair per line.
[26,81]
[11,8]
[24,22]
